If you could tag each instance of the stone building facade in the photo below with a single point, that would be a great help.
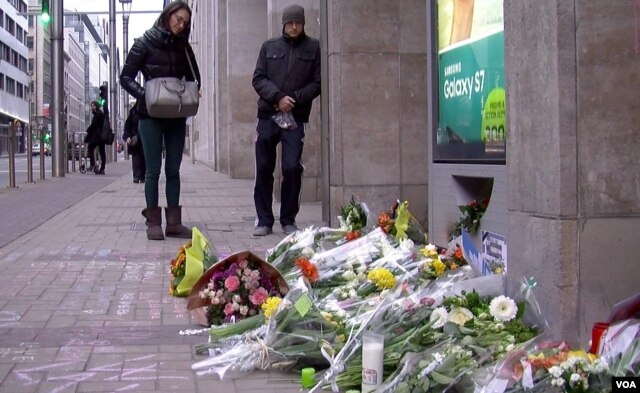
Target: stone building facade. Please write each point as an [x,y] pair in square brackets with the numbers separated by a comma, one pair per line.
[573,200]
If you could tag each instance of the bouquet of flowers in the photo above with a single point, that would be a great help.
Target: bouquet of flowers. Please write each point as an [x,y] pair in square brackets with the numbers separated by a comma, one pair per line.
[621,348]
[305,243]
[553,366]
[192,259]
[433,370]
[298,334]
[401,224]
[472,213]
[488,325]
[235,289]
[433,265]
[353,219]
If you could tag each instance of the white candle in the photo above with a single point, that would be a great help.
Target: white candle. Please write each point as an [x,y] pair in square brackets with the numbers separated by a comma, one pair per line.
[372,357]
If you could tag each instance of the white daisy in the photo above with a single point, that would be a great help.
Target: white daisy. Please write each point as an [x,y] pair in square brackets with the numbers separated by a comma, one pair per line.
[503,308]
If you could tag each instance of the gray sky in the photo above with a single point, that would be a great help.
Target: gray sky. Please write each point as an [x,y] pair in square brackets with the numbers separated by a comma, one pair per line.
[138,23]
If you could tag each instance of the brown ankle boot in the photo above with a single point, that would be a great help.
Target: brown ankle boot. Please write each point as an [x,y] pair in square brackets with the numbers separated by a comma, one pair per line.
[174,223]
[154,223]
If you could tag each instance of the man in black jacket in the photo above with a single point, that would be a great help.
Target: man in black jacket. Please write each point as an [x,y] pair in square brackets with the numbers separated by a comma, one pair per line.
[94,139]
[131,137]
[287,79]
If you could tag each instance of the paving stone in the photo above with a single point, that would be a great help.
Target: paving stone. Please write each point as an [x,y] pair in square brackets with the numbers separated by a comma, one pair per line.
[93,298]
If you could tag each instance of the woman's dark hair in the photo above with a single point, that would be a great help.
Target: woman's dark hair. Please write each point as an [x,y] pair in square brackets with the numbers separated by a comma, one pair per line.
[95,103]
[170,9]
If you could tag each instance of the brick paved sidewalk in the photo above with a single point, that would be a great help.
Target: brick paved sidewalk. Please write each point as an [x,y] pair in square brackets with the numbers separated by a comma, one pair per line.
[84,305]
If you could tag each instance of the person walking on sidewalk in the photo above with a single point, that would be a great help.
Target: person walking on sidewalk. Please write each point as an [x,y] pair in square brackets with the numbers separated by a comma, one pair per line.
[131,137]
[160,52]
[94,139]
[287,79]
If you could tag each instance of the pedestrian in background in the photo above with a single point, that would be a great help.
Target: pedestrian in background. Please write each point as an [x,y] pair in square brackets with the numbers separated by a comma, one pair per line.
[160,52]
[287,79]
[94,139]
[131,137]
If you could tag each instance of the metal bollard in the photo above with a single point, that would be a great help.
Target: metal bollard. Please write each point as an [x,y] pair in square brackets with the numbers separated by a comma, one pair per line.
[41,156]
[12,155]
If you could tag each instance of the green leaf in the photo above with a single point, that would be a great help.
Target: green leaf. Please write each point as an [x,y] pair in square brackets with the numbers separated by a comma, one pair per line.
[176,281]
[441,378]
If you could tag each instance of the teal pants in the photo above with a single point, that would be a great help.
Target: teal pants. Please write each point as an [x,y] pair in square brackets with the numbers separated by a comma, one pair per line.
[156,133]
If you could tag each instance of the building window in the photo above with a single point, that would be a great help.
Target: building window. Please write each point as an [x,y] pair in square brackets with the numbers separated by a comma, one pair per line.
[1,81]
[11,86]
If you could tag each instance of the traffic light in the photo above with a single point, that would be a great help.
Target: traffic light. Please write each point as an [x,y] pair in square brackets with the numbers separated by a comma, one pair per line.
[45,12]
[103,98]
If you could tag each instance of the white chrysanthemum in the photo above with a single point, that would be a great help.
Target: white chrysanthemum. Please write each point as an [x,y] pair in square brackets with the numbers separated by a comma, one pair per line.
[353,294]
[431,247]
[349,275]
[343,223]
[555,371]
[575,377]
[440,316]
[557,382]
[387,249]
[307,252]
[503,308]
[406,245]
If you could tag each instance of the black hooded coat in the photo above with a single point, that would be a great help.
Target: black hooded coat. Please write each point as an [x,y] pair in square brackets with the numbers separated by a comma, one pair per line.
[157,54]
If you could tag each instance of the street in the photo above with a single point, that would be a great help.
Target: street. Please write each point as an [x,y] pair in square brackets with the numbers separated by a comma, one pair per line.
[21,169]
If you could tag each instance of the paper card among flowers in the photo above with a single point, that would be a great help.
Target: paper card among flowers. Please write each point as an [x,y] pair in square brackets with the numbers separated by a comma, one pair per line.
[234,289]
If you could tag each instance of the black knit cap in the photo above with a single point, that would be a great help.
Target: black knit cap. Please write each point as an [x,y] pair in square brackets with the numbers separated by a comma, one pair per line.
[293,13]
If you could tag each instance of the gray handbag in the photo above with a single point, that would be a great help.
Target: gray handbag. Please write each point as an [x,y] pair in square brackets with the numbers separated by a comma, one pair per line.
[171,98]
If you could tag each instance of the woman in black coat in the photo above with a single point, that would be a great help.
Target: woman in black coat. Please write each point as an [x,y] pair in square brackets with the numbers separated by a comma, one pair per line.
[94,139]
[163,51]
[131,137]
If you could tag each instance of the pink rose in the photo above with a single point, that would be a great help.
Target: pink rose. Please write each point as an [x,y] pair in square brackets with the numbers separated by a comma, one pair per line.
[232,283]
[228,309]
[259,296]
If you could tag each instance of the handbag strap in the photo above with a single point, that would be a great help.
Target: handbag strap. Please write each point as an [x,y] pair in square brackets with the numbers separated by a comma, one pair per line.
[193,73]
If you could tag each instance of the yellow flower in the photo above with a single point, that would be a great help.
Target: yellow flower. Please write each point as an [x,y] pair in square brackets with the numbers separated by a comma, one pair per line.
[271,305]
[341,338]
[429,251]
[583,355]
[382,277]
[439,267]
[534,357]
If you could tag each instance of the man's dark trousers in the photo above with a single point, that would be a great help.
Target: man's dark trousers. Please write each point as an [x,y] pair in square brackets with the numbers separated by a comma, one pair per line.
[292,141]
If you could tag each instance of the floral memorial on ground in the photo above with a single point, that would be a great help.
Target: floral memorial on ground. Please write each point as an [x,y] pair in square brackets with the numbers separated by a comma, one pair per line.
[314,296]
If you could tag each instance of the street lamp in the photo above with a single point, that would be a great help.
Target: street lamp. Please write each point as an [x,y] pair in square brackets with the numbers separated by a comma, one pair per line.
[126,9]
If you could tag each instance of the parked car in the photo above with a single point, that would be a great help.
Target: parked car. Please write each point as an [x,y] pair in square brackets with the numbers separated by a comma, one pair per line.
[35,149]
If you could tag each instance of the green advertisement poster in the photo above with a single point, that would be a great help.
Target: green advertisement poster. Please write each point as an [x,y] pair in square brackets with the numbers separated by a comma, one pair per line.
[472,91]
[471,86]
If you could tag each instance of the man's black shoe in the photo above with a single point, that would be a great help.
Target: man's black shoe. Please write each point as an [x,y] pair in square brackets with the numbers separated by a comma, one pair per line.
[289,228]
[261,231]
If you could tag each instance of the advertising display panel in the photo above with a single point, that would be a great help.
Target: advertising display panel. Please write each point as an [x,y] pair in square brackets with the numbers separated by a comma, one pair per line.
[471,86]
